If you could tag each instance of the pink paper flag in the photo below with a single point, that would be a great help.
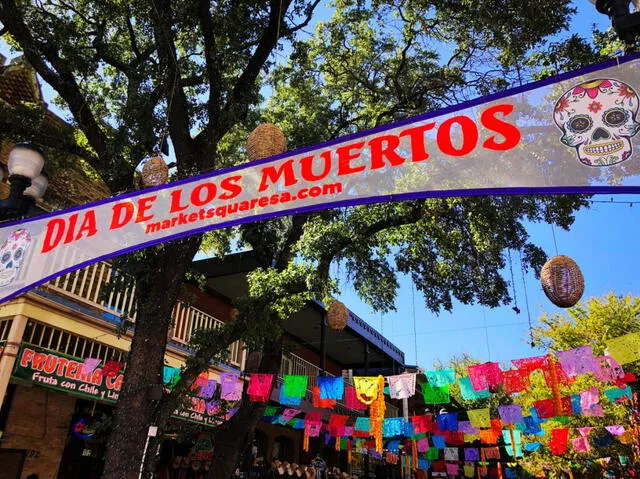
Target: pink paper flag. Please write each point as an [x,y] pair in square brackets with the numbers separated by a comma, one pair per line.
[595,411]
[608,369]
[289,413]
[589,398]
[615,430]
[423,445]
[584,431]
[312,429]
[89,365]
[452,469]
[485,376]
[581,444]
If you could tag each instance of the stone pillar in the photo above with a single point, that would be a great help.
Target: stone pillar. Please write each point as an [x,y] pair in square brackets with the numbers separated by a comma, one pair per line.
[11,347]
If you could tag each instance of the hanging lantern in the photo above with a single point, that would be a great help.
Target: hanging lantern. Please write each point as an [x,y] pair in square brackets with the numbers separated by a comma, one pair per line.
[155,172]
[337,316]
[253,361]
[562,281]
[265,141]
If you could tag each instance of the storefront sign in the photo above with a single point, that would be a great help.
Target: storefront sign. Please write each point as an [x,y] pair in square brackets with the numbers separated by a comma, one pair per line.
[61,372]
[64,373]
[573,133]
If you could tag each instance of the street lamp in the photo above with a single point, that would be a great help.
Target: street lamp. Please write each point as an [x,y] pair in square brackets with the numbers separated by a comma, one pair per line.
[27,180]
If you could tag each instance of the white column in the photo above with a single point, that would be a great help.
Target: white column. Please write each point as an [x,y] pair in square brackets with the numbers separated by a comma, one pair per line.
[11,347]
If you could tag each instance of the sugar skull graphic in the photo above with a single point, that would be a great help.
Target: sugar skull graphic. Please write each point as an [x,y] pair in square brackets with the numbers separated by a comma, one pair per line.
[598,119]
[12,255]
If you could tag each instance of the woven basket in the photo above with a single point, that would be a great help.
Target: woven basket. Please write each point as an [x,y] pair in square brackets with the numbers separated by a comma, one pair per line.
[562,281]
[155,172]
[265,141]
[337,316]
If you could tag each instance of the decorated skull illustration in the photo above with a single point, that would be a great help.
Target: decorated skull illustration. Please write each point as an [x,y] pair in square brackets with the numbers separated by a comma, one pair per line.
[598,119]
[12,255]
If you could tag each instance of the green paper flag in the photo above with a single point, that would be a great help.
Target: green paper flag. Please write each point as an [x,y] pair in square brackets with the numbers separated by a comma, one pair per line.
[435,395]
[294,386]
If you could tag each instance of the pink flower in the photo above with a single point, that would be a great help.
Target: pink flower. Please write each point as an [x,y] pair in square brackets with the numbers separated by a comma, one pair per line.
[591,88]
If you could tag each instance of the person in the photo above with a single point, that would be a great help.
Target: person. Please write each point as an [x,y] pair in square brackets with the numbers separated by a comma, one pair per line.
[320,466]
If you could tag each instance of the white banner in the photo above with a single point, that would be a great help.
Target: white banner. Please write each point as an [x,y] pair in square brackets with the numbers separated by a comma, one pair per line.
[571,134]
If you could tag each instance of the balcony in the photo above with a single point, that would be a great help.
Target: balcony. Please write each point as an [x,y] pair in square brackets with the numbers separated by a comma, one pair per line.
[87,287]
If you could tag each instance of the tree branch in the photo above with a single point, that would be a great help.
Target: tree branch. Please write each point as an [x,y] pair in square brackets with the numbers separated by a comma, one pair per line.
[212,66]
[295,233]
[237,106]
[307,20]
[178,107]
[132,34]
[416,212]
[60,77]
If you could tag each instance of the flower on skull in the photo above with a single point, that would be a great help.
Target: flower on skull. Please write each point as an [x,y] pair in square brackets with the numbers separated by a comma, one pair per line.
[12,254]
[598,119]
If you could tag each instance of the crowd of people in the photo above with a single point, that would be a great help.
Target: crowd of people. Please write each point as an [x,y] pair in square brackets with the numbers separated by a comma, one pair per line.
[316,469]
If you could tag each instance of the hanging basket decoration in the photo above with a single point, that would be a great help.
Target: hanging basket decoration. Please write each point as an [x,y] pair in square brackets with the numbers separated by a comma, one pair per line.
[562,281]
[155,172]
[337,316]
[265,141]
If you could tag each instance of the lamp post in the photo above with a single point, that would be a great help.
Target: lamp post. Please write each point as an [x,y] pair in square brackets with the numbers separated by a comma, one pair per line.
[27,181]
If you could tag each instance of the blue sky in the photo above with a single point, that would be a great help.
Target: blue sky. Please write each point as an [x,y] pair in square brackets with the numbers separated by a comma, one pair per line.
[601,241]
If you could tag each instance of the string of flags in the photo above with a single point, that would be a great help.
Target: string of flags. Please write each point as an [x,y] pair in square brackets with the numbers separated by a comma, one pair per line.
[438,437]
[438,441]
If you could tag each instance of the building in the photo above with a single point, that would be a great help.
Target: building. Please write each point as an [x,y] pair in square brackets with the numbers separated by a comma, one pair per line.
[51,415]
[314,350]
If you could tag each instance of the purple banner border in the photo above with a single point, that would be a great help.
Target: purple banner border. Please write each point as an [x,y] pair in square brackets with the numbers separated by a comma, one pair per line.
[608,189]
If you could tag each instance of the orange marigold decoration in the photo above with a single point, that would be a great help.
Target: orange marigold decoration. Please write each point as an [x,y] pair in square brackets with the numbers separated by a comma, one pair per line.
[555,386]
[376,415]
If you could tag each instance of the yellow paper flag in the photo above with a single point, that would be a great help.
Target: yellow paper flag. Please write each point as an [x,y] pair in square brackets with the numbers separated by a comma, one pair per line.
[469,470]
[479,418]
[625,349]
[366,388]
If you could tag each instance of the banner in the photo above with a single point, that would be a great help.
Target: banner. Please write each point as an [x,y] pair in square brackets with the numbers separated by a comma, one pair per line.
[574,133]
[62,372]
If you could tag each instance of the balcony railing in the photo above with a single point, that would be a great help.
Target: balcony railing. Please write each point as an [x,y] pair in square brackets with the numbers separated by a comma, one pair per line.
[88,285]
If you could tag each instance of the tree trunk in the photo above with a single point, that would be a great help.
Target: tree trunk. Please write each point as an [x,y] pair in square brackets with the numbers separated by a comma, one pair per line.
[157,290]
[233,436]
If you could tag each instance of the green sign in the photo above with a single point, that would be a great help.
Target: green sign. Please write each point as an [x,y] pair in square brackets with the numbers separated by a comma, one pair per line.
[62,372]
[55,370]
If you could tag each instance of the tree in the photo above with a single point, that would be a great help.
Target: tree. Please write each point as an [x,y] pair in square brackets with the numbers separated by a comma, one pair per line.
[592,322]
[130,72]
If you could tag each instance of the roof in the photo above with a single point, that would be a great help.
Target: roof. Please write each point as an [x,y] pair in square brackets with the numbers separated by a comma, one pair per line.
[70,183]
[18,83]
[227,278]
